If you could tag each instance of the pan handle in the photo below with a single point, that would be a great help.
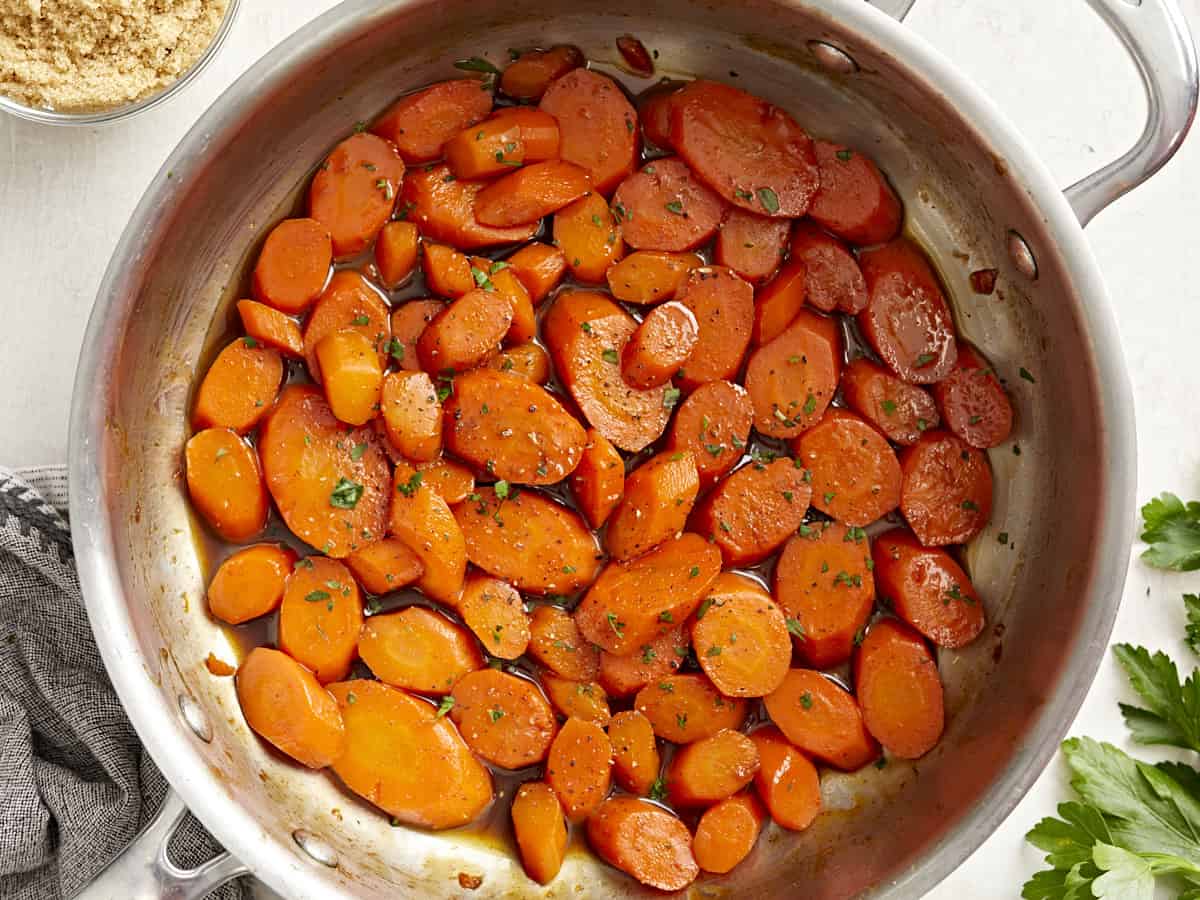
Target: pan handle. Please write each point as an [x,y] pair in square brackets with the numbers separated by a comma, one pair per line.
[142,870]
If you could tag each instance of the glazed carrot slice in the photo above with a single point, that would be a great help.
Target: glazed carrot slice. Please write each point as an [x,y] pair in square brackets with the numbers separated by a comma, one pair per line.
[495,276]
[538,130]
[354,191]
[450,480]
[239,387]
[293,265]
[589,236]
[907,321]
[786,781]
[352,375]
[443,208]
[447,272]
[854,201]
[723,305]
[385,565]
[465,332]
[649,276]
[741,638]
[527,77]
[832,276]
[823,583]
[974,404]
[422,520]
[271,328]
[584,700]
[598,128]
[329,483]
[658,498]
[752,245]
[654,112]
[320,618]
[902,411]
[792,379]
[624,676]
[822,720]
[667,208]
[635,58]
[714,424]
[635,753]
[579,768]
[225,484]
[503,718]
[855,474]
[946,496]
[540,267]
[396,251]
[441,785]
[686,708]
[727,832]
[408,323]
[531,193]
[418,649]
[631,603]
[555,642]
[250,583]
[598,482]
[754,510]
[898,686]
[496,613]
[540,830]
[751,153]
[927,589]
[412,415]
[585,333]
[349,301]
[527,360]
[779,301]
[528,540]
[660,346]
[711,769]
[643,841]
[492,147]
[284,704]
[421,123]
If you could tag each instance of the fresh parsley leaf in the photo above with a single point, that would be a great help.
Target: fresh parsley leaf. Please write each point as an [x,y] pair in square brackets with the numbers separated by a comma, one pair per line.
[476,64]
[658,790]
[769,200]
[1172,715]
[414,482]
[346,494]
[1191,603]
[1173,531]
[445,706]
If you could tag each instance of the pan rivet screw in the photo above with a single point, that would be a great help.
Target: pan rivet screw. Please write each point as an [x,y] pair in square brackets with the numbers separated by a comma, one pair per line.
[196,718]
[833,59]
[1022,256]
[315,847]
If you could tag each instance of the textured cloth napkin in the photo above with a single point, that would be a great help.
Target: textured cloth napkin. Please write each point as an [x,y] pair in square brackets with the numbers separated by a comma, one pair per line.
[75,784]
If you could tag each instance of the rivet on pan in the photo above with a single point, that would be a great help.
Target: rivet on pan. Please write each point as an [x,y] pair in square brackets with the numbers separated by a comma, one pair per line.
[833,59]
[195,718]
[315,847]
[1022,256]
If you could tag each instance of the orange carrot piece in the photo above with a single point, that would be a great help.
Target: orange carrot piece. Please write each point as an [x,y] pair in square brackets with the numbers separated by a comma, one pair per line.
[225,484]
[624,676]
[589,236]
[396,251]
[284,704]
[503,718]
[447,272]
[320,618]
[540,830]
[421,123]
[527,77]
[555,642]
[538,130]
[349,301]
[723,305]
[495,276]
[412,415]
[527,360]
[649,276]
[727,832]
[751,245]
[462,335]
[711,769]
[741,638]
[450,480]
[584,700]
[352,375]
[714,425]
[293,265]
[946,496]
[855,474]
[354,191]
[418,650]
[444,209]
[579,768]
[531,193]
[250,583]
[786,781]
[822,720]
[660,346]
[658,498]
[598,128]
[408,323]
[422,520]
[598,482]
[540,267]
[686,708]
[635,753]
[779,301]
[974,404]
[239,387]
[271,328]
[900,410]
[489,148]
[792,379]
[898,686]
[644,841]
[832,277]
[496,613]
[654,112]
[667,207]
[754,510]
[385,565]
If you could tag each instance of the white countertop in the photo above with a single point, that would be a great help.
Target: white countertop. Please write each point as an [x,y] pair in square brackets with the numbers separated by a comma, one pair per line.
[65,196]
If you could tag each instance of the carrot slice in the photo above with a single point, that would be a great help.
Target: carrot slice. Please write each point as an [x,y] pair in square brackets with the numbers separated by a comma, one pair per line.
[540,830]
[644,841]
[352,375]
[658,498]
[946,496]
[823,583]
[660,346]
[821,719]
[349,301]
[854,201]
[320,618]
[354,191]
[396,253]
[667,208]
[779,301]
[491,147]
[741,638]
[902,411]
[239,387]
[833,278]
[540,268]
[225,484]
[714,424]
[786,781]
[624,676]
[711,769]
[527,77]
[792,379]
[444,210]
[752,245]
[271,328]
[408,323]
[579,768]
[584,700]
[412,415]
[635,753]
[556,643]
[422,520]
[974,404]
[420,123]
[284,704]
[686,708]
[723,305]
[419,650]
[293,265]
[527,360]
[496,613]
[250,583]
[598,482]
[751,153]
[727,832]
[503,718]
[631,603]
[495,276]
[447,272]
[654,112]
[463,334]
[754,510]
[538,130]
[531,193]
[649,276]
[589,236]
[897,683]
[598,128]
[855,474]
[450,480]
[385,565]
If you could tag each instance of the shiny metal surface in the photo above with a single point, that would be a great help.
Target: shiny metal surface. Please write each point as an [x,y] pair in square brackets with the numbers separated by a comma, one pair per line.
[967,177]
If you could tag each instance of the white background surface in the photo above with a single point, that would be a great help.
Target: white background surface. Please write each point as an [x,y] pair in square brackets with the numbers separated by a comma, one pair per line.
[1050,64]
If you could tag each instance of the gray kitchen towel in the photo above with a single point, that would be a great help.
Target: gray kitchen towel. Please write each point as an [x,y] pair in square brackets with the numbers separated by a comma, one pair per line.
[75,784]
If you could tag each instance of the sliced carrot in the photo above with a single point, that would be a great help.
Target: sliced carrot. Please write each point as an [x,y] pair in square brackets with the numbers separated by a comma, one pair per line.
[528,540]
[420,123]
[540,267]
[686,708]
[418,650]
[450,480]
[643,841]
[598,482]
[792,379]
[821,719]
[354,191]
[531,193]
[412,415]
[654,112]
[584,700]
[624,676]
[239,387]
[823,583]
[741,638]
[349,301]
[589,236]
[667,208]
[540,830]
[631,603]
[555,642]
[444,210]
[657,500]
[250,583]
[855,474]
[902,411]
[946,496]
[727,832]
[527,360]
[754,510]
[752,245]
[447,272]
[330,483]
[598,127]
[503,718]
[463,334]
[711,769]
[723,305]
[496,613]
[284,704]
[408,323]
[396,251]
[491,147]
[898,685]
[320,618]
[714,424]
[832,276]
[779,301]
[271,328]
[635,753]
[579,768]
[974,404]
[538,130]
[385,565]
[649,276]
[854,201]
[635,58]
[293,265]
[423,521]
[527,77]
[786,781]
[585,332]
[440,785]
[225,484]
[495,276]
[660,346]
[352,375]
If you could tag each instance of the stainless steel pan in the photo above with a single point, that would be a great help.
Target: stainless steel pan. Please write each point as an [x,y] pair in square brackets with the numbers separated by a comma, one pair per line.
[977,196]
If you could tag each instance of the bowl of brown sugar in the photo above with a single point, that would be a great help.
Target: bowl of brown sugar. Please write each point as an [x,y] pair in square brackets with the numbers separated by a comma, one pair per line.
[89,62]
